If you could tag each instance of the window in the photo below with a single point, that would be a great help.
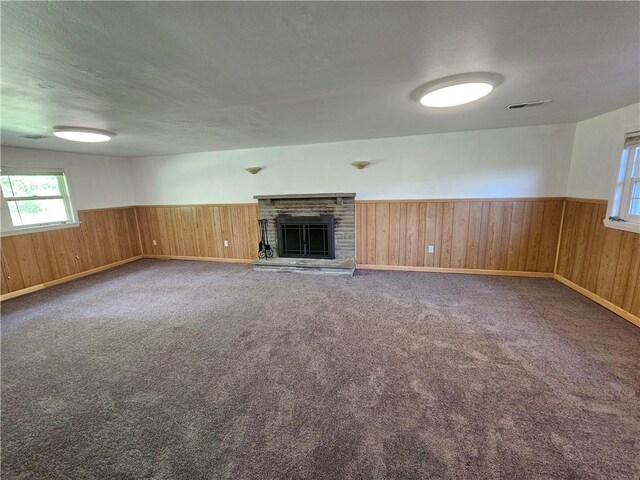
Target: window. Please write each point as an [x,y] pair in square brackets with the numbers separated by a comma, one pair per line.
[34,199]
[625,207]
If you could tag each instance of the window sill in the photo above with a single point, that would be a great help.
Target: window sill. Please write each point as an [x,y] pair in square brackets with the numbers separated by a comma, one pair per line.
[44,228]
[626,226]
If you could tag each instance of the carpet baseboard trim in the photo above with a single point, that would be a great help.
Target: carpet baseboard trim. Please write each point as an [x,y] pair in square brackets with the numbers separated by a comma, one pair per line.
[199,259]
[68,278]
[467,271]
[630,317]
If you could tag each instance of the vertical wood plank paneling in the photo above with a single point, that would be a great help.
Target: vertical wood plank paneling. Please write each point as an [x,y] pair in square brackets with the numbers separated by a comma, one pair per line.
[580,238]
[494,238]
[484,235]
[201,238]
[535,236]
[403,234]
[635,308]
[515,235]
[148,218]
[200,230]
[591,227]
[371,233]
[459,234]
[47,253]
[5,275]
[103,237]
[550,231]
[564,261]
[447,235]
[11,266]
[394,234]
[632,291]
[422,233]
[608,262]
[382,233]
[63,252]
[165,239]
[596,253]
[132,227]
[411,245]
[360,234]
[27,260]
[623,265]
[439,229]
[227,233]
[237,234]
[634,288]
[505,235]
[473,236]
[525,232]
[47,269]
[218,234]
[430,229]
[602,260]
[104,233]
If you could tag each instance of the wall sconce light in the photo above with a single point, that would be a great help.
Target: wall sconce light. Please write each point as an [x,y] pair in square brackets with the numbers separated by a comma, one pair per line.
[361,165]
[253,170]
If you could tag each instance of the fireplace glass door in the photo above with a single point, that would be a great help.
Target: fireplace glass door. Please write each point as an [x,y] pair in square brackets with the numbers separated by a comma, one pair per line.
[306,237]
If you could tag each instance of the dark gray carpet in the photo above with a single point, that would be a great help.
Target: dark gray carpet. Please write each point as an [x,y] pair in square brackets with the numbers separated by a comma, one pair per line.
[190,370]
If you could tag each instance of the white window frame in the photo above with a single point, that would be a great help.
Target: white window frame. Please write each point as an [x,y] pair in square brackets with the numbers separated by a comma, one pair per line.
[8,229]
[618,215]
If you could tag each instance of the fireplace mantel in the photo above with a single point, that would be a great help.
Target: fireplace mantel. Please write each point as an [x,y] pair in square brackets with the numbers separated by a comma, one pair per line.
[338,197]
[293,196]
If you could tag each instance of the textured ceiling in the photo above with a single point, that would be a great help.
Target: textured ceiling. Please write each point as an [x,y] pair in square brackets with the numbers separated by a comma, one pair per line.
[196,76]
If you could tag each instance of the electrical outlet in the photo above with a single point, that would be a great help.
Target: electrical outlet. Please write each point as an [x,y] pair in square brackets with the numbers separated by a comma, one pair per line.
[226,243]
[154,242]
[430,248]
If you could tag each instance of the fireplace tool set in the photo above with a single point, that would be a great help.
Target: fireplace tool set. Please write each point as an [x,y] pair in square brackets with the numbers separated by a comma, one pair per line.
[264,249]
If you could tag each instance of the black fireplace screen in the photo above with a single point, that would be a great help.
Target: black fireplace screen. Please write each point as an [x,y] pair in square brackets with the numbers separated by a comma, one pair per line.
[306,237]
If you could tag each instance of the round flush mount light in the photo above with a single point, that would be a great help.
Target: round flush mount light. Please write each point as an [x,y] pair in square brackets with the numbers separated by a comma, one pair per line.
[82,134]
[456,89]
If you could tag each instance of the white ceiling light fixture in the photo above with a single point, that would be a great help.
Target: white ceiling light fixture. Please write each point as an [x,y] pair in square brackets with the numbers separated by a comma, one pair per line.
[456,89]
[82,134]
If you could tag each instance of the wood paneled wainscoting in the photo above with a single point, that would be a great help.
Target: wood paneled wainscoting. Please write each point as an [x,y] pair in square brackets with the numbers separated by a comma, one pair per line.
[546,237]
[32,261]
[199,232]
[601,263]
[510,236]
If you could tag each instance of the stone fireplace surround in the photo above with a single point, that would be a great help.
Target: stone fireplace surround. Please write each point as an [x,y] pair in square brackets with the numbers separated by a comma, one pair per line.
[341,205]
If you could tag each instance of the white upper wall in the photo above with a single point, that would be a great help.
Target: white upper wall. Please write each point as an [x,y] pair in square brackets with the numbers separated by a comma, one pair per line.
[596,152]
[509,162]
[512,162]
[548,160]
[94,181]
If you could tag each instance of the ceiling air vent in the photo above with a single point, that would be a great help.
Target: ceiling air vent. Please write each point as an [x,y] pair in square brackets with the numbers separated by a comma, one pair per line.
[518,106]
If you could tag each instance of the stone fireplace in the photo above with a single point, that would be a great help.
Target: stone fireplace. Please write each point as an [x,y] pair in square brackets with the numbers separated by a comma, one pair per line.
[310,233]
